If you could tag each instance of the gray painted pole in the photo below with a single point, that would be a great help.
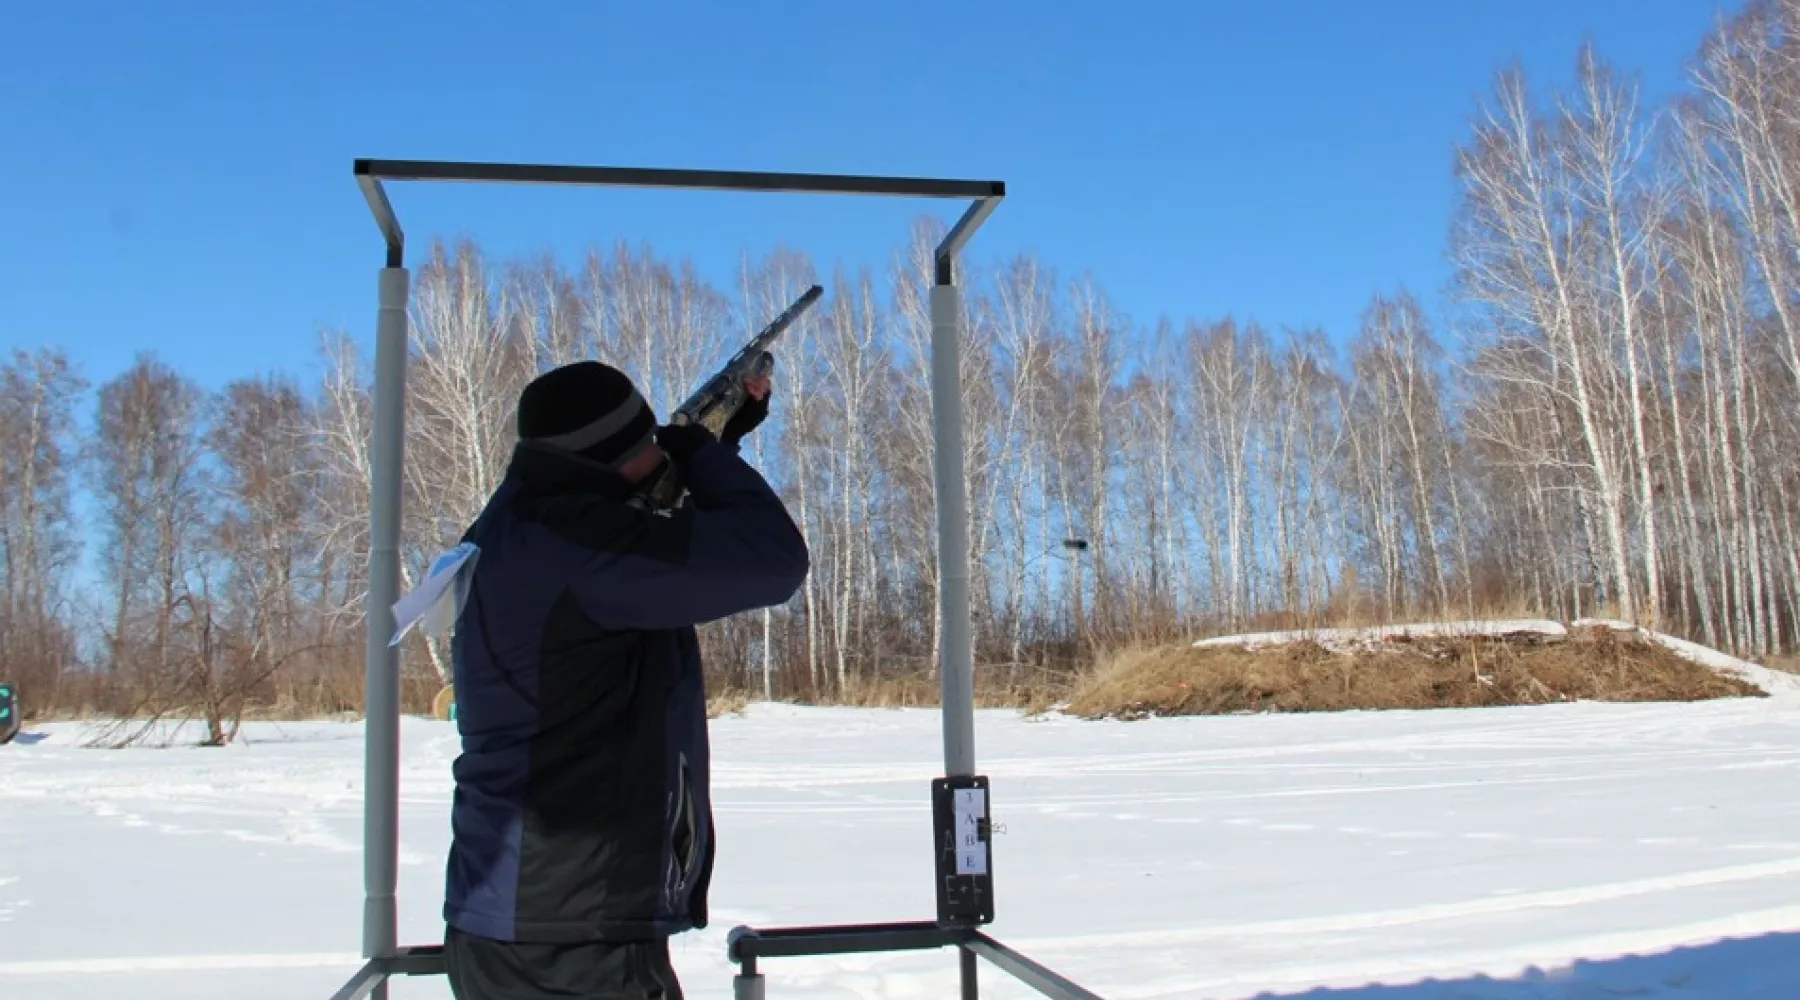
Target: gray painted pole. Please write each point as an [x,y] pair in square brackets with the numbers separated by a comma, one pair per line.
[381,760]
[957,671]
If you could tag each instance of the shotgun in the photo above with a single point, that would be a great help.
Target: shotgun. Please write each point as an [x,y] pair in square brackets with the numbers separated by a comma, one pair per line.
[720,397]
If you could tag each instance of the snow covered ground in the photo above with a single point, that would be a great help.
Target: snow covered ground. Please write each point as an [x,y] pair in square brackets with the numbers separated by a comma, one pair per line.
[1565,852]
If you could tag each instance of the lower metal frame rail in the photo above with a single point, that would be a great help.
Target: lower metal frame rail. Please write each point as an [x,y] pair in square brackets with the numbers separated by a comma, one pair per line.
[746,945]
[420,960]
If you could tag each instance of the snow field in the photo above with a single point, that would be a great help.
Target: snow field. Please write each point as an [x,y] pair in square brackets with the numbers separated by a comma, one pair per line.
[1359,856]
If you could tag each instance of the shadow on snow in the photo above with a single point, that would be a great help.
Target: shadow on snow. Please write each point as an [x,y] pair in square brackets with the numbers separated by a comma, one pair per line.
[1766,967]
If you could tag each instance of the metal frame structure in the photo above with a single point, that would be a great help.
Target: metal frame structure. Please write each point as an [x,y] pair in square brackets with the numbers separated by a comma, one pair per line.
[964,900]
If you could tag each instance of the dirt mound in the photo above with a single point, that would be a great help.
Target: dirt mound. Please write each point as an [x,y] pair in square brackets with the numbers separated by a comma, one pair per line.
[1438,671]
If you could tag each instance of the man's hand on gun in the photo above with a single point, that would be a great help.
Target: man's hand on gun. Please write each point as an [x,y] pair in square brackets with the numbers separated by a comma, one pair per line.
[750,365]
[680,441]
[752,413]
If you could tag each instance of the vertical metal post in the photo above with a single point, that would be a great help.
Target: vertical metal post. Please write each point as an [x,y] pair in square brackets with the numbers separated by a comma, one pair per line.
[747,985]
[381,760]
[971,974]
[957,671]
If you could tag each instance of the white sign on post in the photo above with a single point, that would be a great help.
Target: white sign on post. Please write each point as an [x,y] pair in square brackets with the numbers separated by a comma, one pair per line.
[969,806]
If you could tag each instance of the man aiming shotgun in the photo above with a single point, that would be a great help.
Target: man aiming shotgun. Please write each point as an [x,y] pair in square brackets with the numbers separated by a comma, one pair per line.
[582,822]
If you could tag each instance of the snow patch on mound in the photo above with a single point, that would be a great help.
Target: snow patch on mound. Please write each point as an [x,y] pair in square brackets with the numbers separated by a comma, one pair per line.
[1352,640]
[1369,639]
[1773,681]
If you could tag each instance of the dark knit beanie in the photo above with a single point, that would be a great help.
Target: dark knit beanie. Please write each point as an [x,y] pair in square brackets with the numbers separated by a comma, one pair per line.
[587,407]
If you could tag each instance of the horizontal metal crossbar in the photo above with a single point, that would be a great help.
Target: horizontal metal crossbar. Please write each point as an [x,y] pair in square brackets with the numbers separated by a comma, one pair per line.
[664,177]
[745,945]
[370,173]
[418,960]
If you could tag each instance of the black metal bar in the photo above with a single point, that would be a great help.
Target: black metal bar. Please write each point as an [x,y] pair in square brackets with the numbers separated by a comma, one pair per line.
[744,945]
[365,981]
[960,234]
[418,960]
[797,942]
[969,973]
[1025,970]
[716,180]
[385,219]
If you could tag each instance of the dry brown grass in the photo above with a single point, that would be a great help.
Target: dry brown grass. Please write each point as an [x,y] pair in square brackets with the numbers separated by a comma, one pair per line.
[1033,692]
[1159,675]
[1455,672]
[1785,664]
[1030,692]
[731,701]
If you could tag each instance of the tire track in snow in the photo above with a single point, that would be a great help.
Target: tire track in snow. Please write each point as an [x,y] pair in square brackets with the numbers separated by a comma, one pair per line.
[1433,912]
[1062,802]
[181,963]
[1622,740]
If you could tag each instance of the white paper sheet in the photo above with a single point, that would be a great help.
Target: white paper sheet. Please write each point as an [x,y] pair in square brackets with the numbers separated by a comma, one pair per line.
[968,807]
[437,596]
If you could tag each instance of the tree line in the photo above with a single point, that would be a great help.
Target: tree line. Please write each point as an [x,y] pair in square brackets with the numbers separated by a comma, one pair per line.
[1596,431]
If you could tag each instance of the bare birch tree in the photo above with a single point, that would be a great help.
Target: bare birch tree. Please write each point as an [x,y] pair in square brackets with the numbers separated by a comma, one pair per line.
[38,532]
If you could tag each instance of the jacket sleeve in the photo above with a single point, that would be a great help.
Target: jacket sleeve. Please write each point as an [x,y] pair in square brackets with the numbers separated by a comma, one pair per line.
[732,548]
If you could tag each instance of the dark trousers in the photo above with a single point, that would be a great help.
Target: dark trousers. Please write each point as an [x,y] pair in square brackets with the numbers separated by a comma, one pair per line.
[483,969]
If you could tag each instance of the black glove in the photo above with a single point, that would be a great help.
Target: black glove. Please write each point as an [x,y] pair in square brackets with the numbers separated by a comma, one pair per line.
[680,441]
[746,419]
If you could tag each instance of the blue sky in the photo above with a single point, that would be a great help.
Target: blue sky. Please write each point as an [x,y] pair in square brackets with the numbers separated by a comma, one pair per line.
[175,176]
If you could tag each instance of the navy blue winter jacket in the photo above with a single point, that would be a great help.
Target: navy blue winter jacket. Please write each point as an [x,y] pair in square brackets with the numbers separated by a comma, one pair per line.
[582,809]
